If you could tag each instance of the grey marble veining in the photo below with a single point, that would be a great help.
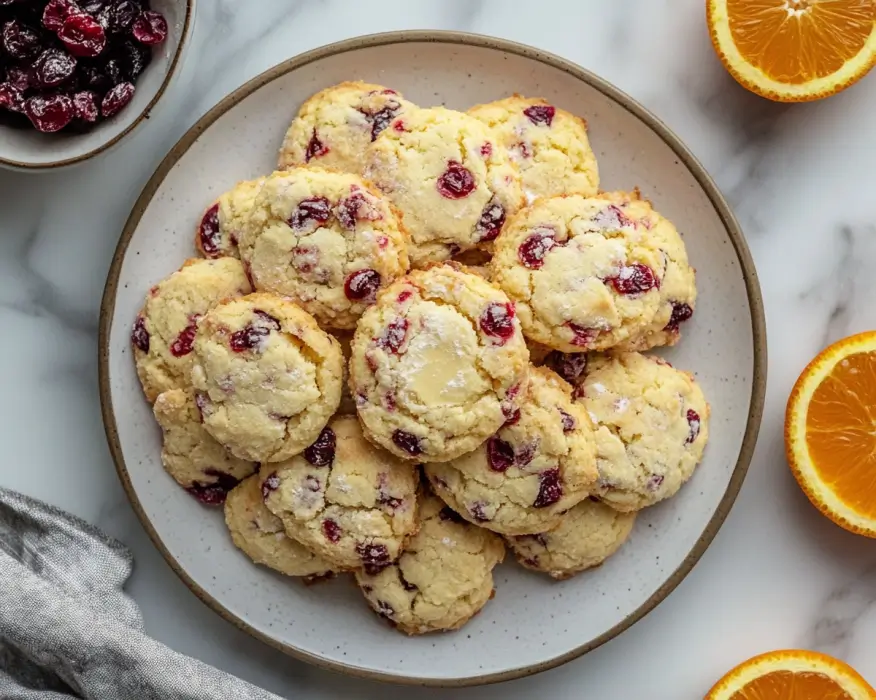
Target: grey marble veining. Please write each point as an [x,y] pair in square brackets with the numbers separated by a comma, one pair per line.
[800,178]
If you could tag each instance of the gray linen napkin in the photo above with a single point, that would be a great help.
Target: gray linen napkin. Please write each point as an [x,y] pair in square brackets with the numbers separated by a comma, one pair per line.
[67,630]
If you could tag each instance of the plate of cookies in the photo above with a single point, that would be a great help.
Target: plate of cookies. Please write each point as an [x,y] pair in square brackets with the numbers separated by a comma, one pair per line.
[432,358]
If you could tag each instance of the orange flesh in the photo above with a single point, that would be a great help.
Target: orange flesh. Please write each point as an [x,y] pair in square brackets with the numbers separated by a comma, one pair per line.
[841,432]
[787,685]
[795,41]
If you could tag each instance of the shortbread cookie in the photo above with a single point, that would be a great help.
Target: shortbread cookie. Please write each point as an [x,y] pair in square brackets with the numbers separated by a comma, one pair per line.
[222,224]
[165,329]
[652,424]
[438,364]
[584,274]
[443,578]
[586,536]
[455,186]
[326,240]
[335,126]
[267,378]
[541,463]
[349,501]
[189,453]
[259,534]
[548,144]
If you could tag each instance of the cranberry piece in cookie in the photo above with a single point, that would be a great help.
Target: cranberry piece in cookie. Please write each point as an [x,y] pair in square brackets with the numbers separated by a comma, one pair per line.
[407,442]
[500,454]
[634,279]
[491,222]
[315,148]
[456,182]
[362,285]
[140,336]
[550,488]
[208,232]
[681,312]
[540,114]
[497,321]
[322,452]
[533,250]
[182,345]
[394,335]
[316,210]
[693,419]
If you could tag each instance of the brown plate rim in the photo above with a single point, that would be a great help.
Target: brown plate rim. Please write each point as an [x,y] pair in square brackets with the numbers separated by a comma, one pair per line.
[145,114]
[721,206]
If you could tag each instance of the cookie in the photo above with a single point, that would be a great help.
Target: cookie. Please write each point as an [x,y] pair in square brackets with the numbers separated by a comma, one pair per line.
[267,378]
[548,144]
[350,502]
[324,239]
[259,534]
[454,185]
[164,330]
[189,453]
[222,224]
[438,364]
[335,126]
[443,577]
[584,275]
[652,424]
[586,536]
[537,466]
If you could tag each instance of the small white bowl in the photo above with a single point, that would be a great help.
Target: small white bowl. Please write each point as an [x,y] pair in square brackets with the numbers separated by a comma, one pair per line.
[27,149]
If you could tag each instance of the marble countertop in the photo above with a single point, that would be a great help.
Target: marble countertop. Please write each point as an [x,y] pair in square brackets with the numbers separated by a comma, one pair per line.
[777,575]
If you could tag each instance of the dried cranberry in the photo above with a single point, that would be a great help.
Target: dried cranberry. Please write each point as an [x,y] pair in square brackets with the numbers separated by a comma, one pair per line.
[213,494]
[540,114]
[121,15]
[117,99]
[270,484]
[634,279]
[581,336]
[322,452]
[569,422]
[11,98]
[375,557]
[404,296]
[356,207]
[500,454]
[149,28]
[92,7]
[394,335]
[450,515]
[381,119]
[248,337]
[85,106]
[82,35]
[526,453]
[612,218]
[693,420]
[550,489]
[533,250]
[49,114]
[456,182]
[497,320]
[407,442]
[362,285]
[391,502]
[681,312]
[491,222]
[139,335]
[53,67]
[20,41]
[183,344]
[208,232]
[570,366]
[56,12]
[315,148]
[487,149]
[316,209]
[655,482]
[331,530]
[20,77]
[134,58]
[477,511]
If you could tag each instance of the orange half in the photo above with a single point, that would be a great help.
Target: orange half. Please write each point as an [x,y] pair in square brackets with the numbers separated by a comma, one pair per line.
[830,432]
[794,50]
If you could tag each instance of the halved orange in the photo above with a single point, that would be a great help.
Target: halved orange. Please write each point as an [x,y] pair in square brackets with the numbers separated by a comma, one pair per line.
[830,432]
[792,674]
[794,50]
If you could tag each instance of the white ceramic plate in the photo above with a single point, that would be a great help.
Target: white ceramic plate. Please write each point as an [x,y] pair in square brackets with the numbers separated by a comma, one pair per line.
[533,623]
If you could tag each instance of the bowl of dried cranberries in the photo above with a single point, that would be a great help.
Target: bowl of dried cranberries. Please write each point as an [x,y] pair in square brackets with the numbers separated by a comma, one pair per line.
[76,76]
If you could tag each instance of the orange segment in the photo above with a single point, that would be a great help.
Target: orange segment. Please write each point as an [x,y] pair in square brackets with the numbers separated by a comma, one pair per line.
[830,432]
[794,50]
[793,674]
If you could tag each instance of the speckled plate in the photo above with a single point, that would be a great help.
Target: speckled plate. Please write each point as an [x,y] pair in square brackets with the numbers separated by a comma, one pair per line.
[533,623]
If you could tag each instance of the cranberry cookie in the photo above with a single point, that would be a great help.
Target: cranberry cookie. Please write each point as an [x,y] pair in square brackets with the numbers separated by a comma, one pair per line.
[222,224]
[335,126]
[652,425]
[259,534]
[325,240]
[350,502]
[541,463]
[548,144]
[586,536]
[190,455]
[267,378]
[455,186]
[165,329]
[438,364]
[443,577]
[583,273]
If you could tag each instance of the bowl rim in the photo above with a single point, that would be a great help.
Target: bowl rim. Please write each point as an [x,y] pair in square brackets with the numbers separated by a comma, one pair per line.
[145,114]
[756,307]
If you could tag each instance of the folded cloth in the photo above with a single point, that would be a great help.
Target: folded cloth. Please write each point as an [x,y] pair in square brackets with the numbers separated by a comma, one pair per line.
[67,630]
